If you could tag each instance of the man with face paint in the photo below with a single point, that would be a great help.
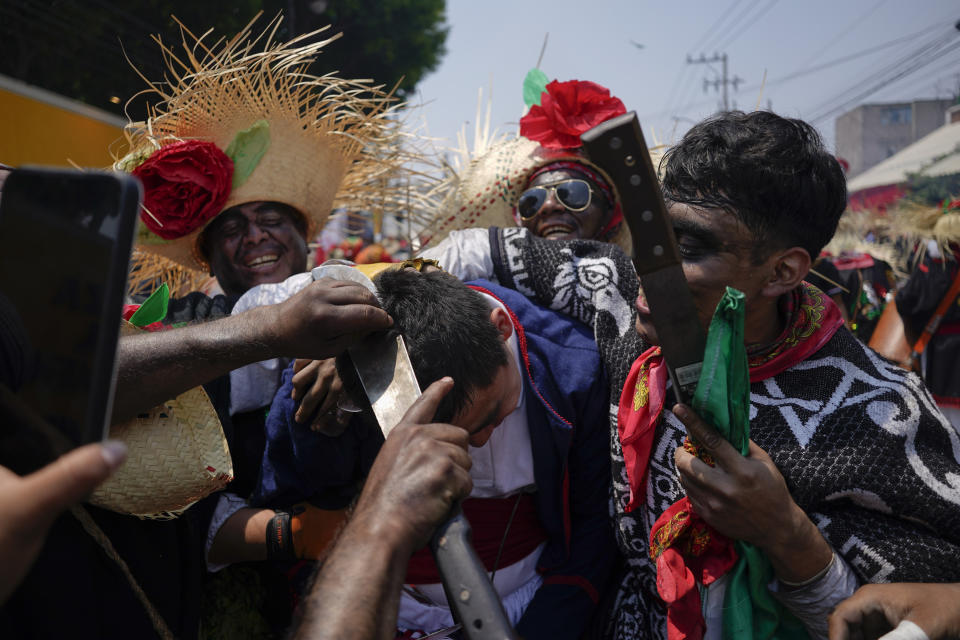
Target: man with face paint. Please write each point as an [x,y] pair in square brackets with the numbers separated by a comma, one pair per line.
[847,479]
[569,201]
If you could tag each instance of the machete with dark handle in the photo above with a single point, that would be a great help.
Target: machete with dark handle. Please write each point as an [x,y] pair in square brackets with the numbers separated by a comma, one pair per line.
[470,594]
[617,146]
[384,369]
[387,376]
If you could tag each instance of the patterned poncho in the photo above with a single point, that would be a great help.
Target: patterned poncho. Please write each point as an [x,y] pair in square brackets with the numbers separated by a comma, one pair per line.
[859,441]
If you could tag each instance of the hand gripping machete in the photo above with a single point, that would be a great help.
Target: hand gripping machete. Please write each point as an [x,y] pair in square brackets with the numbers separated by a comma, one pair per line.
[617,146]
[384,368]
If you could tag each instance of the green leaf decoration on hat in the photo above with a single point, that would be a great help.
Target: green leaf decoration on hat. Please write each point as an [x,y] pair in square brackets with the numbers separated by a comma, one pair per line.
[533,86]
[145,236]
[246,149]
[153,308]
[133,160]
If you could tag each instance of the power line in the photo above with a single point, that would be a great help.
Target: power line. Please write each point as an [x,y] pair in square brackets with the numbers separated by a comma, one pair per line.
[723,81]
[723,16]
[746,26]
[837,61]
[737,20]
[883,75]
[880,74]
[911,66]
[932,75]
[711,43]
[682,76]
[807,71]
[859,20]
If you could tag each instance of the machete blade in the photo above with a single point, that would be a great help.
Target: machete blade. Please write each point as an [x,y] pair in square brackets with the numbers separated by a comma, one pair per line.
[384,368]
[617,146]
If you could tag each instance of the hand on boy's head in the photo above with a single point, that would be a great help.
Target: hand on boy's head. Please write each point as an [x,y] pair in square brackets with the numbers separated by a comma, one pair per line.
[30,504]
[323,319]
[422,469]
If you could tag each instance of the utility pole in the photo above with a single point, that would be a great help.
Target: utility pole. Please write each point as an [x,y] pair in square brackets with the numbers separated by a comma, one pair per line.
[717,83]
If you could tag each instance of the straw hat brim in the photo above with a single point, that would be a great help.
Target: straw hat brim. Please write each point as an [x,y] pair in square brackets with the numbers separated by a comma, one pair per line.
[177,454]
[486,193]
[324,141]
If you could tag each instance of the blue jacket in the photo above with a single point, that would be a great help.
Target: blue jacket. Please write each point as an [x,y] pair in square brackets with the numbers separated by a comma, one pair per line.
[567,410]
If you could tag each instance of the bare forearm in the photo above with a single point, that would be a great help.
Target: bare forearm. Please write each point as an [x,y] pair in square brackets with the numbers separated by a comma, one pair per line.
[242,538]
[801,552]
[421,470]
[357,592]
[154,367]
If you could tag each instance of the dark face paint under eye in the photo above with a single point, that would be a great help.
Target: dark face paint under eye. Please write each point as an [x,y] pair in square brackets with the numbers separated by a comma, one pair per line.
[717,251]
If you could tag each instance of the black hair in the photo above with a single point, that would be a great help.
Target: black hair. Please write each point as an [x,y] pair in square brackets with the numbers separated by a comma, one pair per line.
[772,173]
[447,330]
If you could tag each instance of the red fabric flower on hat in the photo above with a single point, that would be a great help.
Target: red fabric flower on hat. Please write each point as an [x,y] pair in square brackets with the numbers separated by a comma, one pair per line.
[566,110]
[185,184]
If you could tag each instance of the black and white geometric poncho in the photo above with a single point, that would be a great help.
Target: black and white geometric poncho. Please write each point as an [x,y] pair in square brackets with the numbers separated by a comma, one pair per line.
[861,444]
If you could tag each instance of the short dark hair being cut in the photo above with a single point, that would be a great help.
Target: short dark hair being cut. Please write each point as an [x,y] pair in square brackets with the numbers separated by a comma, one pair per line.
[447,330]
[772,173]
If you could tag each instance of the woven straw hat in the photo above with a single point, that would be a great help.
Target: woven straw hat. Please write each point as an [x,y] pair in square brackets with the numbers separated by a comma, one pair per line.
[866,232]
[488,190]
[947,227]
[177,454]
[306,141]
[485,193]
[919,224]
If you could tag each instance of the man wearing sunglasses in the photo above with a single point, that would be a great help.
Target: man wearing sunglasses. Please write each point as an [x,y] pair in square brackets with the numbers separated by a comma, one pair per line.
[540,180]
[568,201]
[846,479]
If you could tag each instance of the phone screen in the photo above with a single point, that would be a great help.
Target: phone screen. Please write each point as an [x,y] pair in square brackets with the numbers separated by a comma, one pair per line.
[65,241]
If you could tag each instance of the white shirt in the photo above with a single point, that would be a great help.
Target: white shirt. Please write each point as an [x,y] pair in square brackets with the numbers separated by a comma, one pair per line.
[501,467]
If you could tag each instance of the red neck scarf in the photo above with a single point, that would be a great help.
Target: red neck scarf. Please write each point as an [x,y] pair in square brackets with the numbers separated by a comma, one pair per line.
[687,550]
[812,319]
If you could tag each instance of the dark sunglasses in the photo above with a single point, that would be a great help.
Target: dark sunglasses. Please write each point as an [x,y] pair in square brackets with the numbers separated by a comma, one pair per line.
[573,194]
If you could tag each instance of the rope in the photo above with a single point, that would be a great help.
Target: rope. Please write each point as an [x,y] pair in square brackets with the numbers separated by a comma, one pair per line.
[101,538]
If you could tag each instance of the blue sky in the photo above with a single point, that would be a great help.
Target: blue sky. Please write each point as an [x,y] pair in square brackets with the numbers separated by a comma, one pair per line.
[493,43]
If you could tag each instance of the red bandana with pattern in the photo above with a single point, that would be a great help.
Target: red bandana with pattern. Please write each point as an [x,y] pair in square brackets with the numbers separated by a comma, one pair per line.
[687,550]
[812,319]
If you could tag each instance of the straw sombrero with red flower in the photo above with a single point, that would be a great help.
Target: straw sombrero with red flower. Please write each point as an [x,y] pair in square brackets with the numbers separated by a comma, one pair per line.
[486,192]
[240,121]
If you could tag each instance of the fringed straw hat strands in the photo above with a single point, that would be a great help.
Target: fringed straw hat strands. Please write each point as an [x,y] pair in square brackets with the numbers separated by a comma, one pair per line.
[486,191]
[150,270]
[921,224]
[866,232]
[241,120]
